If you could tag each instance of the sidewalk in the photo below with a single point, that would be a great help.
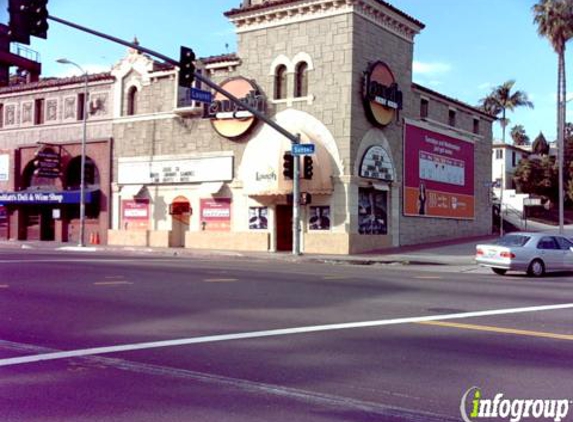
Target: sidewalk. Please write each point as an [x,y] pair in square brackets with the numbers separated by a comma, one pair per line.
[459,252]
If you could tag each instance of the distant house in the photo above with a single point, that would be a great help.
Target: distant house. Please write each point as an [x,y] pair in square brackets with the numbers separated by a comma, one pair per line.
[505,159]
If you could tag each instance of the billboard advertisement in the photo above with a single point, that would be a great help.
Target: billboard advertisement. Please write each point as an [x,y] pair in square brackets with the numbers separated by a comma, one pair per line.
[438,175]
[135,214]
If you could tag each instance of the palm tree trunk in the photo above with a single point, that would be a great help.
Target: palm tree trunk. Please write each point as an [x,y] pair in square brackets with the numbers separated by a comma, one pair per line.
[562,117]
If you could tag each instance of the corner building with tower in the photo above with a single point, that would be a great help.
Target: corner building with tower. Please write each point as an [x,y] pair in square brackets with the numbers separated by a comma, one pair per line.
[395,163]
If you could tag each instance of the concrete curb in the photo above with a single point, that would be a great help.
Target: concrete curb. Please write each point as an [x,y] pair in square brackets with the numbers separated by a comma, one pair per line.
[396,259]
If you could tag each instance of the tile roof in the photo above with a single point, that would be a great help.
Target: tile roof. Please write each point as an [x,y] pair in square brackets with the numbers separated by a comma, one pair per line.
[46,83]
[272,3]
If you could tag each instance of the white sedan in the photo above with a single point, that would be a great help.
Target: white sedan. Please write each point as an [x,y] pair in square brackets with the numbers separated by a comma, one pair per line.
[534,253]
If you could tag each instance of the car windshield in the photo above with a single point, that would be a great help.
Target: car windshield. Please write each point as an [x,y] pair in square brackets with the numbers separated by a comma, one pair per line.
[513,240]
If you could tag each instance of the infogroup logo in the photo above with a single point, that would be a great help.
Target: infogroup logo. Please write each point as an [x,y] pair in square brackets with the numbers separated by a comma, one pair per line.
[475,407]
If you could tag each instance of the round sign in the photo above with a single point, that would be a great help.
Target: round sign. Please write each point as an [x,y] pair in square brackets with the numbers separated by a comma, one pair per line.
[229,119]
[382,97]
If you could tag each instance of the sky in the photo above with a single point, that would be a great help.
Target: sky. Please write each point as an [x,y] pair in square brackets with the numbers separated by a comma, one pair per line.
[467,48]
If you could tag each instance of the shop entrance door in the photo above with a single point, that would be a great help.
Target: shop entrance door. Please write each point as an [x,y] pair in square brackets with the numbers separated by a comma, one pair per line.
[180,211]
[284,227]
[47,225]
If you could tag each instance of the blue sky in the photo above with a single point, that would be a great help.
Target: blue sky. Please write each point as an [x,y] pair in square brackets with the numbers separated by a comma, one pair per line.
[466,49]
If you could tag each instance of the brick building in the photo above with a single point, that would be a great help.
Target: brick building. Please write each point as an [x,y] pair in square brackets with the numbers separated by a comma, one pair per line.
[40,157]
[395,163]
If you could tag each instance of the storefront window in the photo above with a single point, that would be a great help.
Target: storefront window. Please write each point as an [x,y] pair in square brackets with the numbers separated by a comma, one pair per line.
[258,218]
[372,211]
[319,218]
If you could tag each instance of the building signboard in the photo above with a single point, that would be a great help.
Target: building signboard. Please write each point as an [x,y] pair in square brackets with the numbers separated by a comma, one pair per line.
[57,197]
[381,94]
[229,119]
[438,175]
[163,171]
[4,167]
[377,164]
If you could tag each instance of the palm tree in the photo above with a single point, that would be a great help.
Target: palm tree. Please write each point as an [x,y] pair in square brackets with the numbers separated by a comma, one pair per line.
[554,19]
[501,100]
[519,136]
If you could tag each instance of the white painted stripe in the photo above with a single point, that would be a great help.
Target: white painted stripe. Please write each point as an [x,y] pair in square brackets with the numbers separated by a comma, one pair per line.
[273,333]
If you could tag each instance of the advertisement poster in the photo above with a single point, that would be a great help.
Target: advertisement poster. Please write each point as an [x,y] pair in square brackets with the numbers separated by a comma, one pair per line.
[258,218]
[135,214]
[216,214]
[372,211]
[4,167]
[319,218]
[438,175]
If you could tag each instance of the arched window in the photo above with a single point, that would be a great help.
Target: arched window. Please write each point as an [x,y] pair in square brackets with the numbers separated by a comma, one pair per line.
[301,80]
[131,101]
[73,173]
[280,82]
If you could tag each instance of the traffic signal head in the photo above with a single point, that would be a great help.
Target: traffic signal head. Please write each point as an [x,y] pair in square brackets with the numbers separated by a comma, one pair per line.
[186,67]
[38,18]
[288,165]
[28,17]
[307,171]
[19,30]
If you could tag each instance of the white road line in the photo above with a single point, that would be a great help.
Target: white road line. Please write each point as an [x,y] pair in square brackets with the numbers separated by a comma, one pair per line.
[272,333]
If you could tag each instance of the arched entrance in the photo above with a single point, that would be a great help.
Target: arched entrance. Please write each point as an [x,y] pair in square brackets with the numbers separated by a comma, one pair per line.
[180,210]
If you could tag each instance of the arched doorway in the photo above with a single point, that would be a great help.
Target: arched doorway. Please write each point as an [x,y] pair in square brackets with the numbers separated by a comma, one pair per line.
[180,210]
[38,220]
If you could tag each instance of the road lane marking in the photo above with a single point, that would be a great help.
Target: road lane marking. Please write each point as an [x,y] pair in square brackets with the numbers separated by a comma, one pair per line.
[220,280]
[334,277]
[273,333]
[428,277]
[111,283]
[252,387]
[499,330]
[4,286]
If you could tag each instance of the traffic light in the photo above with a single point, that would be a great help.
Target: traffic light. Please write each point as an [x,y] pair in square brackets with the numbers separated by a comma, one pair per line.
[288,165]
[38,18]
[28,17]
[19,23]
[186,67]
[307,170]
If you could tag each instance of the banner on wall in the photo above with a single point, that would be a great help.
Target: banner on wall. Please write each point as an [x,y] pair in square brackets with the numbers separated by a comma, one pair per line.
[135,214]
[216,214]
[438,175]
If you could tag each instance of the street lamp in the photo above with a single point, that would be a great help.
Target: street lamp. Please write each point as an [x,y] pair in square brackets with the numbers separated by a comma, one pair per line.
[81,242]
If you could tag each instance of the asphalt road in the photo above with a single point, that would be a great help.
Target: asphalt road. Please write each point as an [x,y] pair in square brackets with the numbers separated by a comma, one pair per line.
[86,337]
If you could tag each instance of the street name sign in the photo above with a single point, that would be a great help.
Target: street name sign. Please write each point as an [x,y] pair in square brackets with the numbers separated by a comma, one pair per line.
[302,149]
[201,95]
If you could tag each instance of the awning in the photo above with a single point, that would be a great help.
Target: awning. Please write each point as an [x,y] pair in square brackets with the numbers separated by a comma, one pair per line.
[211,188]
[131,191]
[34,197]
[262,167]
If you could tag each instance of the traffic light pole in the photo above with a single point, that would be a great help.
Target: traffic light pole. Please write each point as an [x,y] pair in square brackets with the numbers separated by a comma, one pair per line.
[296,203]
[294,139]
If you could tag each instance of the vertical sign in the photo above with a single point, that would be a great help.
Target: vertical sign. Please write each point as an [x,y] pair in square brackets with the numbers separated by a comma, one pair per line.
[4,167]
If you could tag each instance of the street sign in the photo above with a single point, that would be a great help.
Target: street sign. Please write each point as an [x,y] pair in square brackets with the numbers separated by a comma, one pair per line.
[302,149]
[200,95]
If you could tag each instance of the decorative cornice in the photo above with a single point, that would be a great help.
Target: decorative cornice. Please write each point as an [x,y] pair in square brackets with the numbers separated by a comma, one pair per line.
[284,12]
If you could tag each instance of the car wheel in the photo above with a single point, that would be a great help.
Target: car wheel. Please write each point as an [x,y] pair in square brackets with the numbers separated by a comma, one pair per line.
[499,271]
[536,268]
